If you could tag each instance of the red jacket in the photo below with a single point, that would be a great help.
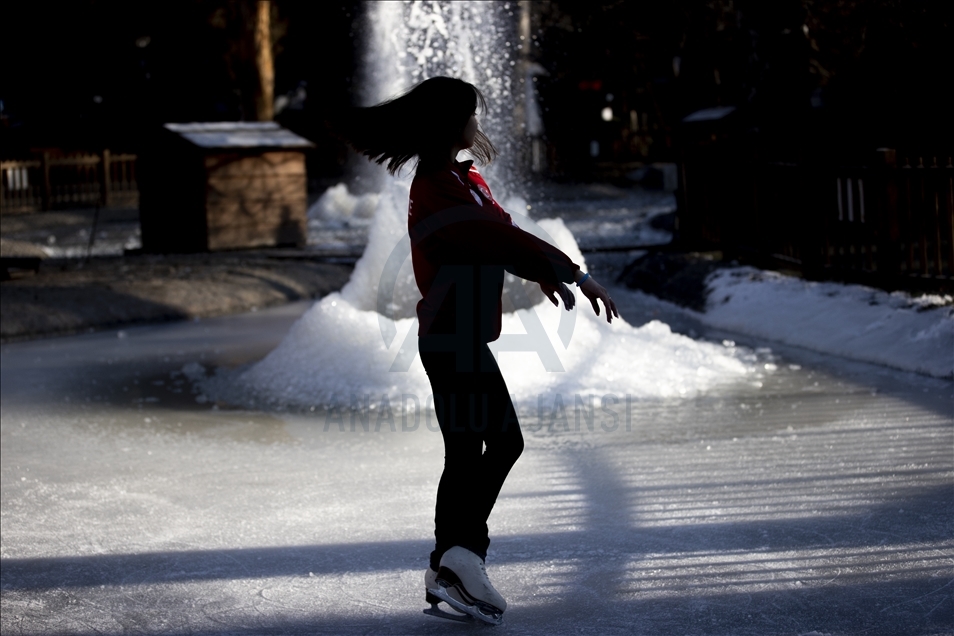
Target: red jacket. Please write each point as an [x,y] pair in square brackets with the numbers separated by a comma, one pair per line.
[462,241]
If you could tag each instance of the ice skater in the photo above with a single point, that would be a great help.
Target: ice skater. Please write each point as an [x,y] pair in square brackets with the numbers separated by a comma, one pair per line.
[462,242]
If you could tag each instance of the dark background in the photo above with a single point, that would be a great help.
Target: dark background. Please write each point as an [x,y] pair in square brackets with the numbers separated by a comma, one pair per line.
[809,78]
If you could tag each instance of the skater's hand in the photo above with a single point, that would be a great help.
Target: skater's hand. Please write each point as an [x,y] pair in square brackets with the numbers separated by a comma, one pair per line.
[551,291]
[594,291]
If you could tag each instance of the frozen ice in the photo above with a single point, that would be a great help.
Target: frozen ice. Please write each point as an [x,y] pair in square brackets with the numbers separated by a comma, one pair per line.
[742,511]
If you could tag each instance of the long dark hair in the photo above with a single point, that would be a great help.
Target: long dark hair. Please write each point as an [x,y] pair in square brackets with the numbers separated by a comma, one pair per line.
[425,122]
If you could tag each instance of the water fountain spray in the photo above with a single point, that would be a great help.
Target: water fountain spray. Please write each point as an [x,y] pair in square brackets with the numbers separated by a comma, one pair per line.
[478,42]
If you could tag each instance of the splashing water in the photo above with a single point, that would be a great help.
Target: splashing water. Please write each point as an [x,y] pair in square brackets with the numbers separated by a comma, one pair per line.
[360,345]
[477,42]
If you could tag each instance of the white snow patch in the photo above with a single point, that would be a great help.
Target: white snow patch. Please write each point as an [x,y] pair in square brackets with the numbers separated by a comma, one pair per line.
[194,371]
[342,349]
[337,206]
[853,321]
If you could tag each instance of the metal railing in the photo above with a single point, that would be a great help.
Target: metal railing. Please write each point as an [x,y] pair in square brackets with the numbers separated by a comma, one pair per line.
[889,223]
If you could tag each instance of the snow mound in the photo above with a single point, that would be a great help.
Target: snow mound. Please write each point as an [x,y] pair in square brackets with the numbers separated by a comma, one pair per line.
[861,323]
[337,206]
[363,341]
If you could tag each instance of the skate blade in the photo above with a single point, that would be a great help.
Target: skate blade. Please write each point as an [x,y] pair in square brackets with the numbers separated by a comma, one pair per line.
[471,610]
[434,610]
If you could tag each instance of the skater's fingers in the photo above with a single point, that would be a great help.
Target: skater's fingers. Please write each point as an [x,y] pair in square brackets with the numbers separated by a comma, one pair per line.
[569,300]
[608,304]
[550,292]
[596,306]
[610,308]
[597,293]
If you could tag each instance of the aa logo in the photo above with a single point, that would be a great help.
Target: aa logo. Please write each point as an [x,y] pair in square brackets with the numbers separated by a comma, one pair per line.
[462,279]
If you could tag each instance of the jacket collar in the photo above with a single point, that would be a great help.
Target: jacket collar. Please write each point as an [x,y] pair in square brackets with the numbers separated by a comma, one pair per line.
[464,166]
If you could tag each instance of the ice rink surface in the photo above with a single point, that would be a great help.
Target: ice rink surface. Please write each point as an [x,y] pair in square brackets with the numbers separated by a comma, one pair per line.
[817,503]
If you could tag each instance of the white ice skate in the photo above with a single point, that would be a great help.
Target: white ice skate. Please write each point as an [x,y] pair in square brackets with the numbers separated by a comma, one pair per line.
[430,585]
[462,583]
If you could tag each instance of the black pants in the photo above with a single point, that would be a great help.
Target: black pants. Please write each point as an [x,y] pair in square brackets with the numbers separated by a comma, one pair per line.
[473,409]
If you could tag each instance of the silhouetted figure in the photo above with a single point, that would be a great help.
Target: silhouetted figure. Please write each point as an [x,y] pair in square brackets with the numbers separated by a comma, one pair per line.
[462,242]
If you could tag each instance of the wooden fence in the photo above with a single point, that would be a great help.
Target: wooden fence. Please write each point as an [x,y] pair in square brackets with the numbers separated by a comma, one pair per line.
[889,222]
[79,180]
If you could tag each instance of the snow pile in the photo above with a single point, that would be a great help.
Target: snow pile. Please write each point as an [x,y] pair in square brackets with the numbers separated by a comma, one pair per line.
[845,320]
[388,250]
[337,206]
[363,340]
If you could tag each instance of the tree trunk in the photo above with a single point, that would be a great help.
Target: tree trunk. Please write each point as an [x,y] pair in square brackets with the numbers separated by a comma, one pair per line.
[265,96]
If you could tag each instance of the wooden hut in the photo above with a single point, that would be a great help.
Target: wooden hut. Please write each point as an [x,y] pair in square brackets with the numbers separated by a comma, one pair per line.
[223,185]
